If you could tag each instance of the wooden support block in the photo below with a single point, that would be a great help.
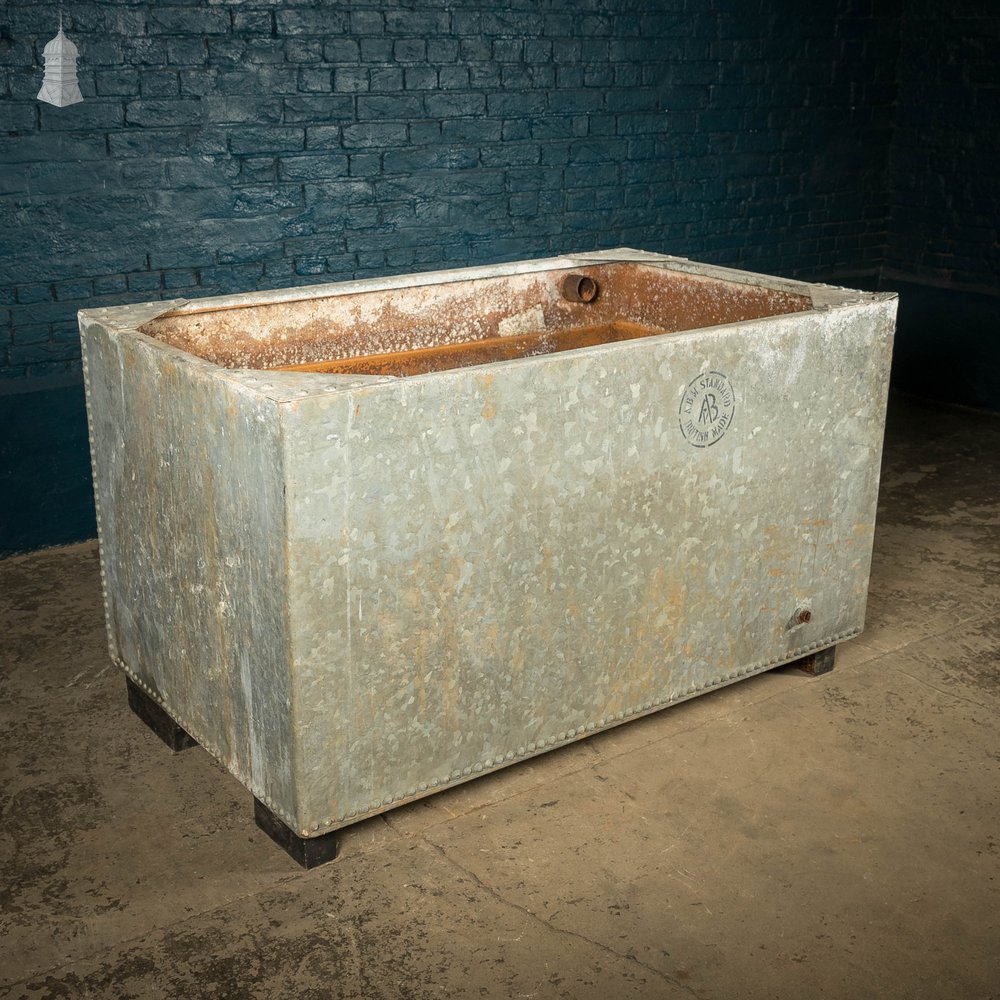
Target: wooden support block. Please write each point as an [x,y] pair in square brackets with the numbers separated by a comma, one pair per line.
[158,719]
[310,852]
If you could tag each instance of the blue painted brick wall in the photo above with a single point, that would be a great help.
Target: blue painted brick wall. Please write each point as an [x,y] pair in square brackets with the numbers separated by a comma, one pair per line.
[945,165]
[250,144]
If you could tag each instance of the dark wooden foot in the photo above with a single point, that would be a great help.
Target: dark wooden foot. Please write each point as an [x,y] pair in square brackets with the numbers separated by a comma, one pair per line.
[820,662]
[309,852]
[157,719]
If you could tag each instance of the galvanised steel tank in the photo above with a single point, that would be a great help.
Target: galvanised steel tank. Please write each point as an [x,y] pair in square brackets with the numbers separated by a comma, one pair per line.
[365,541]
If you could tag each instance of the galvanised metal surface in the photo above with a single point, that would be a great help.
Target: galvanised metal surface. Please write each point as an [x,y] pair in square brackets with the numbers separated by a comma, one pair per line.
[357,589]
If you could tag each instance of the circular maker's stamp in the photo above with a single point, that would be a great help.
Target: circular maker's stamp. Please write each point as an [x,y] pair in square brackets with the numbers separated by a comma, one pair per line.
[707,408]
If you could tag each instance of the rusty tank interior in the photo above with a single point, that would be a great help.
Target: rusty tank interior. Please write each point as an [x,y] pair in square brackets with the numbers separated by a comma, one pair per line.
[434,327]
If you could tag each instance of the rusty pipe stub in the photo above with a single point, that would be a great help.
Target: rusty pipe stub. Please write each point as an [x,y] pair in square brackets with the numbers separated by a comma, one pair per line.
[579,288]
[801,616]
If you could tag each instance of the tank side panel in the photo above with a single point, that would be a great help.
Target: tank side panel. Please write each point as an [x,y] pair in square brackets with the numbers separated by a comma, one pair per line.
[330,690]
[516,557]
[191,523]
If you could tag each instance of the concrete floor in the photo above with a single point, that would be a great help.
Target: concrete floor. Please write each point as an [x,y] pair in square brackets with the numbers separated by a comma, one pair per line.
[785,837]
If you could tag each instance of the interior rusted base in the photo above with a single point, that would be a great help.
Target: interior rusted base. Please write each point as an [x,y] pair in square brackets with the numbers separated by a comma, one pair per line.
[480,352]
[309,852]
[820,662]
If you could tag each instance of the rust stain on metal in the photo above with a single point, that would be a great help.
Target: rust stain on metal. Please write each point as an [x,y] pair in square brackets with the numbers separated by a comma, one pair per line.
[408,331]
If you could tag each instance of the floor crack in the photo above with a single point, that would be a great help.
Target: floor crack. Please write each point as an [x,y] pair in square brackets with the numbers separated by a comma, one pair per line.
[497,895]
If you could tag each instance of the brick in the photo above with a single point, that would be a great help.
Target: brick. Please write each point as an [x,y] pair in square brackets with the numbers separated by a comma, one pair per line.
[200,82]
[160,113]
[158,142]
[232,109]
[265,50]
[33,354]
[475,49]
[144,281]
[516,129]
[537,50]
[258,169]
[93,115]
[319,81]
[507,50]
[350,79]
[32,333]
[409,50]
[364,164]
[27,294]
[471,130]
[162,20]
[511,154]
[553,127]
[310,265]
[430,183]
[72,291]
[387,107]
[159,83]
[333,195]
[341,50]
[455,104]
[319,245]
[320,166]
[180,279]
[484,76]
[144,51]
[568,77]
[54,147]
[318,108]
[117,82]
[422,22]
[304,50]
[17,116]
[322,21]
[425,133]
[453,77]
[323,137]
[109,284]
[591,175]
[201,171]
[371,134]
[420,78]
[266,198]
[256,22]
[366,22]
[638,124]
[417,158]
[232,278]
[267,139]
[376,50]
[599,75]
[442,50]
[387,79]
[517,103]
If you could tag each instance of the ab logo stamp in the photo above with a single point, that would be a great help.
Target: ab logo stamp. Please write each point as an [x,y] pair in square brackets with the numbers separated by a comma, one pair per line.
[707,408]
